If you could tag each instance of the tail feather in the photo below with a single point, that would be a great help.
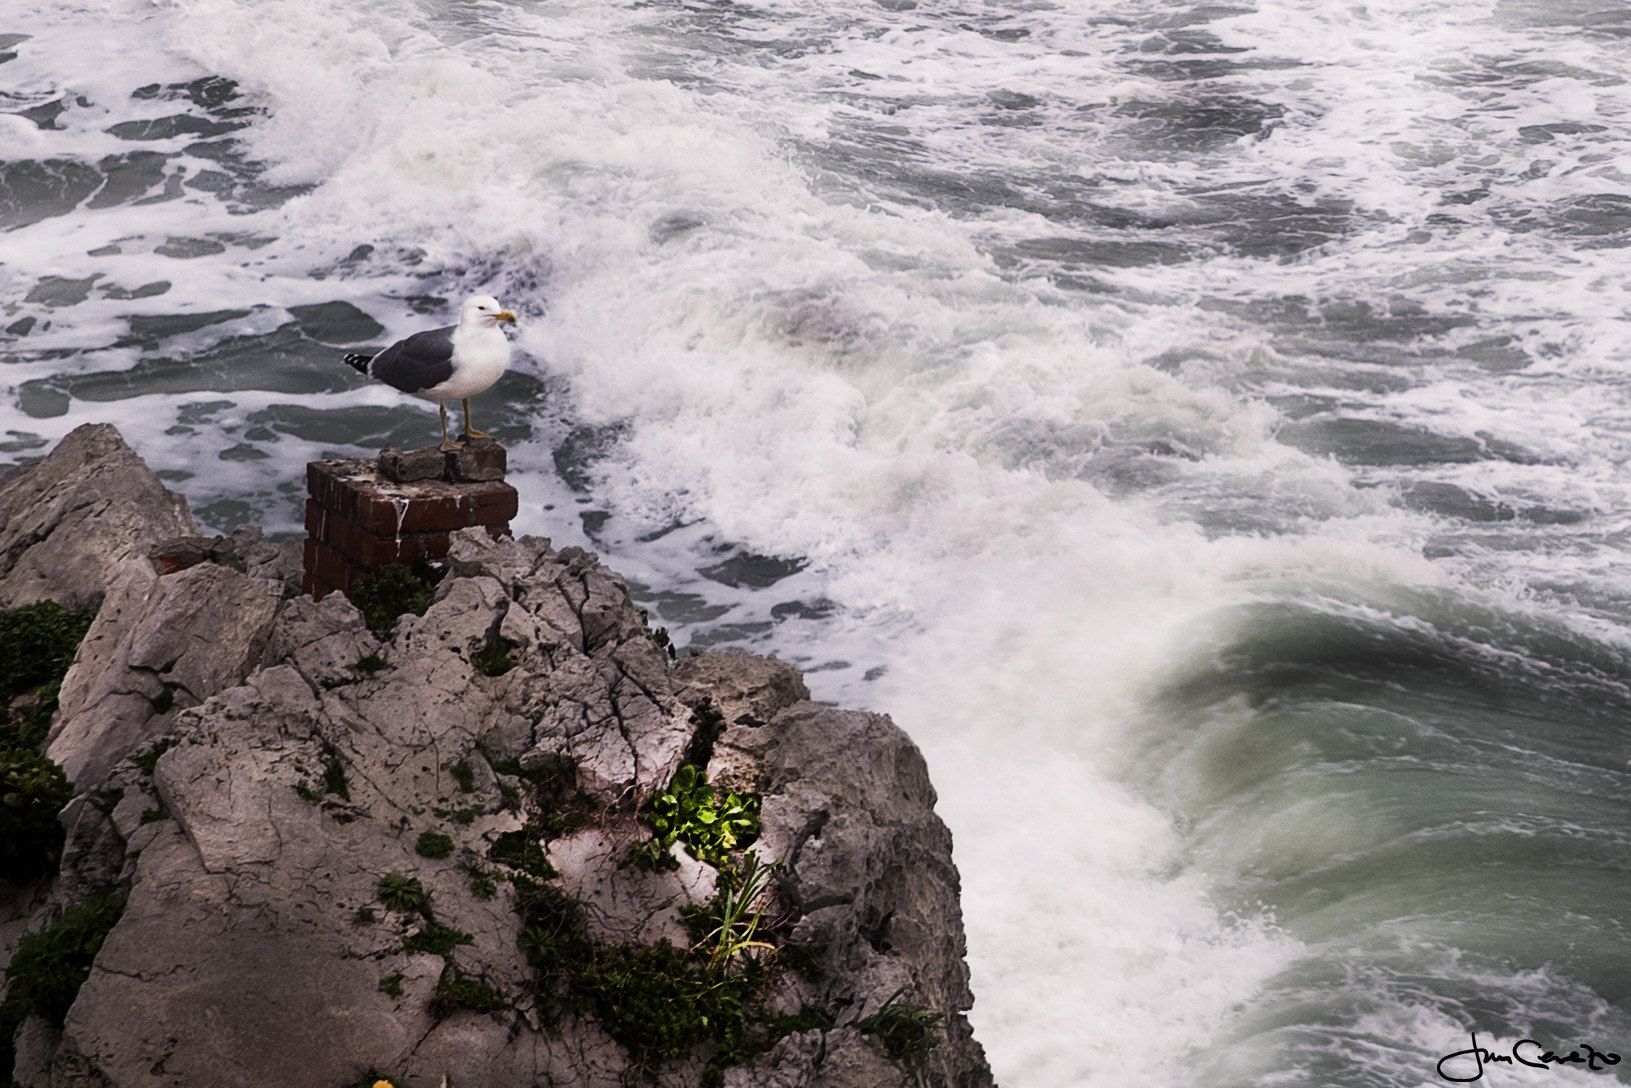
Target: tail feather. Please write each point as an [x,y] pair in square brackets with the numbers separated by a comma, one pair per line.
[358,362]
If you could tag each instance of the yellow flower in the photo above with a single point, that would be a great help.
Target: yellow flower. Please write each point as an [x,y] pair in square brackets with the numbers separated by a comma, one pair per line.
[383,1084]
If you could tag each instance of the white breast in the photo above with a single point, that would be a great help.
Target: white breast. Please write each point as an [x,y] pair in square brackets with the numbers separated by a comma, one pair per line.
[480,357]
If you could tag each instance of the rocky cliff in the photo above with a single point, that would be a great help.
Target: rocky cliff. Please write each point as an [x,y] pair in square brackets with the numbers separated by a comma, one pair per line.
[504,841]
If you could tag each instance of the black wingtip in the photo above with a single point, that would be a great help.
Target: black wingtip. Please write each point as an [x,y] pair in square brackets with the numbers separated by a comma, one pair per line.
[358,362]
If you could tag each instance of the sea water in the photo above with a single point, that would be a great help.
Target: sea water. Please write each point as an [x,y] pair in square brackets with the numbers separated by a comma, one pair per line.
[1200,425]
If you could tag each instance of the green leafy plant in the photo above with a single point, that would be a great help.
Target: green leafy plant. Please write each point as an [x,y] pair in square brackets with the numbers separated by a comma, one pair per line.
[33,790]
[37,644]
[401,893]
[464,775]
[726,927]
[454,991]
[436,939]
[907,1031]
[494,658]
[394,592]
[522,850]
[481,881]
[50,964]
[154,815]
[433,844]
[660,1005]
[391,984]
[148,761]
[691,811]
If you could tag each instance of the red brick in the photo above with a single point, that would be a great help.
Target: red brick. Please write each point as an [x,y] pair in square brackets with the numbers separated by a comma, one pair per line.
[315,588]
[329,566]
[498,504]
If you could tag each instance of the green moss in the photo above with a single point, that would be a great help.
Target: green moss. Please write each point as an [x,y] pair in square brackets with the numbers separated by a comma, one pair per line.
[49,966]
[464,775]
[797,1023]
[394,592]
[660,1005]
[907,1032]
[453,991]
[521,850]
[437,939]
[465,816]
[494,660]
[400,893]
[148,760]
[334,778]
[433,844]
[482,884]
[391,984]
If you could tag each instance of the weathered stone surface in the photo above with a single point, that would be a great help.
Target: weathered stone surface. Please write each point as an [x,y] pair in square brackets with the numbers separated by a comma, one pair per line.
[156,646]
[71,524]
[307,759]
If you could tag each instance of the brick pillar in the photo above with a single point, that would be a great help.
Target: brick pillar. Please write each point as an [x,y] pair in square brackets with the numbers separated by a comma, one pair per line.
[399,508]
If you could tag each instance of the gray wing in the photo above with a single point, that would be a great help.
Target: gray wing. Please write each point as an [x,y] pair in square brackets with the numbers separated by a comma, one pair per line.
[422,360]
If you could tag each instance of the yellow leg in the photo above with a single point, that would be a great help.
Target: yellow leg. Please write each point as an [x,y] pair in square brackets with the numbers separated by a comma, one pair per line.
[469,431]
[447,443]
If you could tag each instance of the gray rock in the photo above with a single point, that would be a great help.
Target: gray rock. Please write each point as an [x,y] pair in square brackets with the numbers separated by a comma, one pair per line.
[310,759]
[73,523]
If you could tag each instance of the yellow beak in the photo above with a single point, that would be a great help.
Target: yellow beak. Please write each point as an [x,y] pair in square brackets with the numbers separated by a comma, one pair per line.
[505,315]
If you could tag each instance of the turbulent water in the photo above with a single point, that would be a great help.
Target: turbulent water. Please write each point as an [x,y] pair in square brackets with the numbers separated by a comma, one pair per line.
[1200,425]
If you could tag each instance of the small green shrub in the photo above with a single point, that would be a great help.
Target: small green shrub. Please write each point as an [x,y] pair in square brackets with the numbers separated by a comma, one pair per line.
[522,850]
[368,665]
[466,816]
[464,775]
[660,1005]
[401,893]
[147,762]
[33,790]
[482,884]
[494,659]
[710,826]
[453,991]
[797,1023]
[726,927]
[391,984]
[37,644]
[907,1031]
[394,592]
[50,964]
[436,939]
[433,844]
[154,815]
[334,778]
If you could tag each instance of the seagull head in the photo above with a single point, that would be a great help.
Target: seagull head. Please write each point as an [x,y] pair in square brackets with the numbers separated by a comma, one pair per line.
[483,311]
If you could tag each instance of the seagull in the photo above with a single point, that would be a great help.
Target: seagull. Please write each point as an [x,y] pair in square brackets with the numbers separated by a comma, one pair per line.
[454,363]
